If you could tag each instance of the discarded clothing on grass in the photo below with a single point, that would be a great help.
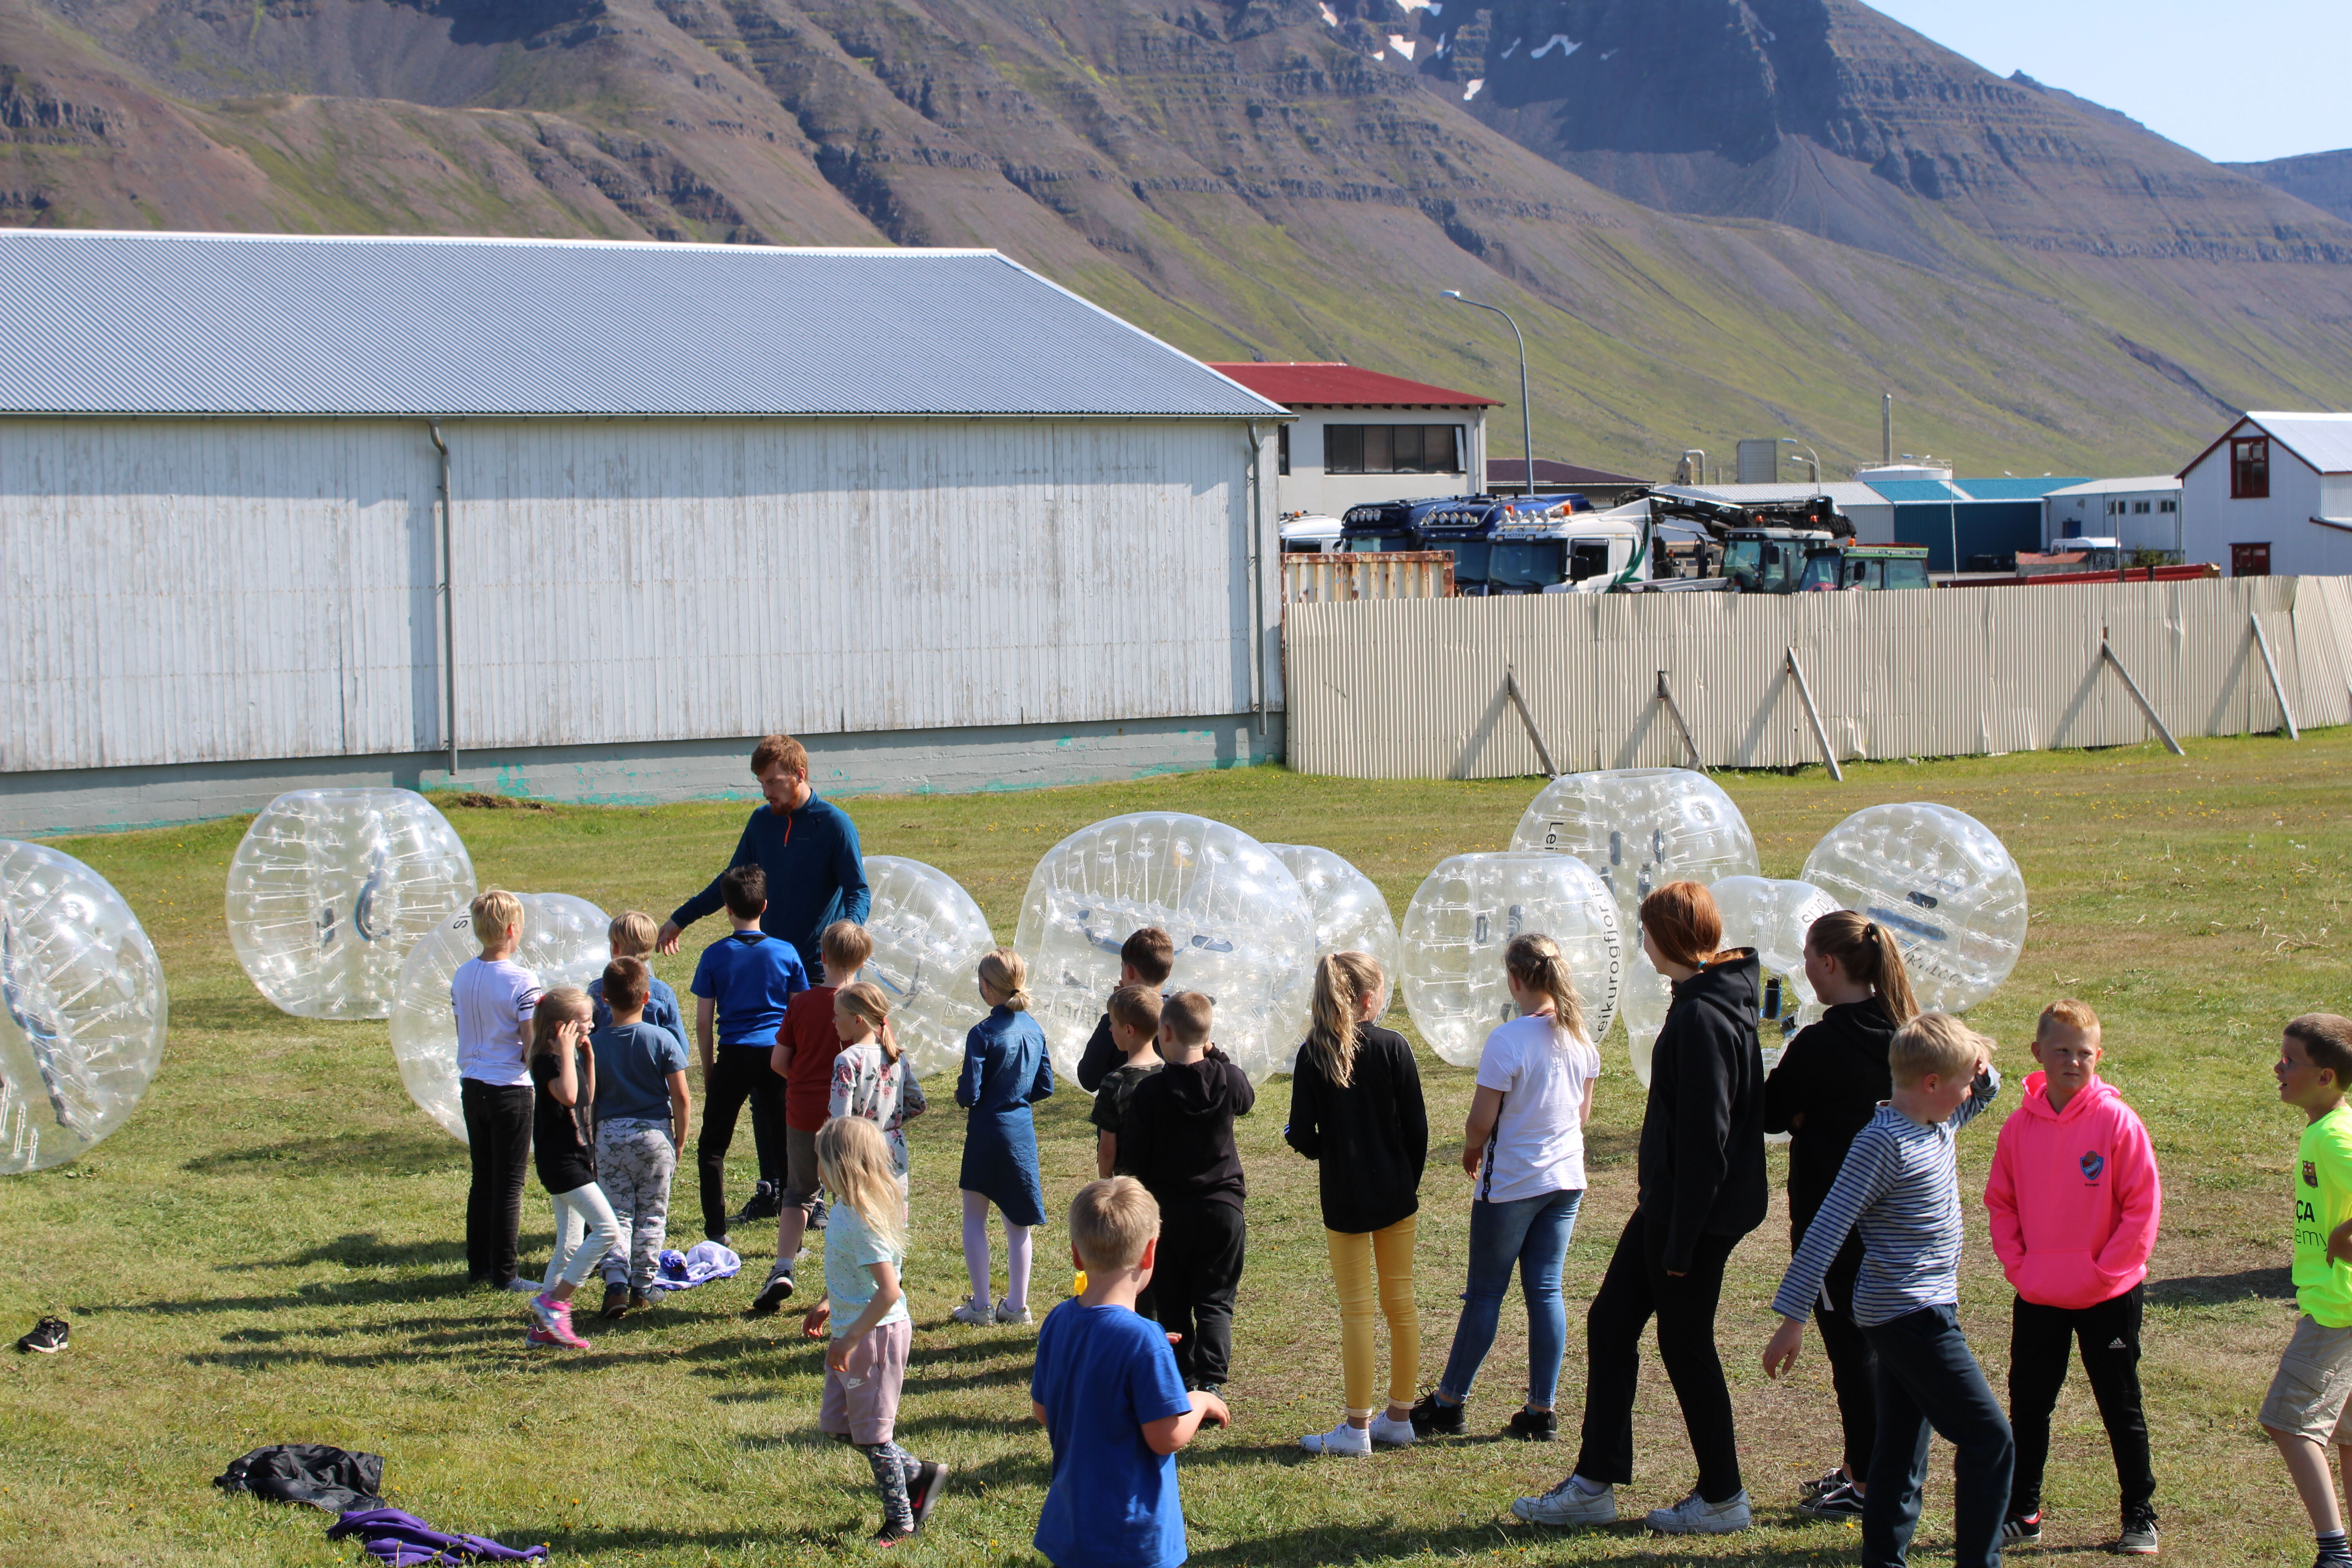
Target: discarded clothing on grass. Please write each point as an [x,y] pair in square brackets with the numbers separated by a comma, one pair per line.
[706,1261]
[404,1540]
[313,1473]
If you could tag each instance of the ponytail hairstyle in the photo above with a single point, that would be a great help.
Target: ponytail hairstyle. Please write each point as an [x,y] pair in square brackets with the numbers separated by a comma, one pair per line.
[555,1009]
[1681,919]
[855,1162]
[1865,949]
[1342,981]
[1004,971]
[1535,960]
[865,999]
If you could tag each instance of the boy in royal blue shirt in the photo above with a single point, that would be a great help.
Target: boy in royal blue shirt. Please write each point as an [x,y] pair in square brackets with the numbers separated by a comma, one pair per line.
[742,988]
[1106,1391]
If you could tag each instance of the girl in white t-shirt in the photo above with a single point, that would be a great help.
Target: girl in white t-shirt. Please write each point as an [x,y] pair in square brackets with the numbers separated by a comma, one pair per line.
[1524,1146]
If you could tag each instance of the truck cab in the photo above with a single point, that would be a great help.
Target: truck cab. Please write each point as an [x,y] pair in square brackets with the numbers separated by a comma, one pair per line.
[1769,559]
[1568,552]
[1387,525]
[1848,565]
[1471,526]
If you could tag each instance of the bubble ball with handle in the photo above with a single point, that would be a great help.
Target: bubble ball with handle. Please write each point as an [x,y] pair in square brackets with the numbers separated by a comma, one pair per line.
[928,936]
[1350,914]
[1465,913]
[1942,883]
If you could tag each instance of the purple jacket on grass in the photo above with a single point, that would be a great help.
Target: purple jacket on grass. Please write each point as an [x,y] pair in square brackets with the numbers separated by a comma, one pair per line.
[404,1540]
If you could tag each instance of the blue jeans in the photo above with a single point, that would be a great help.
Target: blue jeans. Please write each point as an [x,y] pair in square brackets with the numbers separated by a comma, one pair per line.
[1930,1380]
[1532,1232]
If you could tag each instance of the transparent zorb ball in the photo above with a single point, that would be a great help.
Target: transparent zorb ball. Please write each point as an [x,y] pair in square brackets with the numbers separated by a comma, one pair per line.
[330,888]
[929,936]
[1942,883]
[564,942]
[1467,911]
[82,1008]
[1351,915]
[1640,828]
[1244,932]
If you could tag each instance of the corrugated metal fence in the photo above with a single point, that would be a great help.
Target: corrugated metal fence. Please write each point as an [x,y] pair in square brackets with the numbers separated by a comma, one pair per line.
[1414,687]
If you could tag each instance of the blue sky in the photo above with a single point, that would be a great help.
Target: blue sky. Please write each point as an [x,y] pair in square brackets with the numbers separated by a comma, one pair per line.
[2238,82]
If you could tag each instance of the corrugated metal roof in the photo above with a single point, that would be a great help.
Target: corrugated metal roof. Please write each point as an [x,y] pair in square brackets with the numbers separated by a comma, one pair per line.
[94,322]
[2120,487]
[1901,490]
[1847,494]
[2322,440]
[1319,383]
[1551,472]
[2009,488]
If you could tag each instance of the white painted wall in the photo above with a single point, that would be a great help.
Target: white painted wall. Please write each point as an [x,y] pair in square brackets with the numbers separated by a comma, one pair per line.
[190,590]
[2155,529]
[2211,521]
[1307,488]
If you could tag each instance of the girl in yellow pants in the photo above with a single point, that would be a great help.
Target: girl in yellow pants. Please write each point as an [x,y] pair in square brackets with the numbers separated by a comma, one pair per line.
[1356,1110]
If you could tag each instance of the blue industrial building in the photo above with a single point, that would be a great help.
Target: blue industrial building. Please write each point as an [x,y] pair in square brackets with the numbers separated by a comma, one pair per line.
[1970,525]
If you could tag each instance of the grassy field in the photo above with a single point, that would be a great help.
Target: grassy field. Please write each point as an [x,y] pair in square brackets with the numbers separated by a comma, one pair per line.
[272,1249]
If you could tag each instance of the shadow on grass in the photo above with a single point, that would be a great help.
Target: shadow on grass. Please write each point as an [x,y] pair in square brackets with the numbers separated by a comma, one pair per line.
[361,1249]
[2211,1290]
[373,1154]
[1388,1539]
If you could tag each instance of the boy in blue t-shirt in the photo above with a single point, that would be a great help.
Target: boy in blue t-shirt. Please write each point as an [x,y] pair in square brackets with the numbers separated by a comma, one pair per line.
[642,1105]
[631,935]
[742,988]
[1106,1391]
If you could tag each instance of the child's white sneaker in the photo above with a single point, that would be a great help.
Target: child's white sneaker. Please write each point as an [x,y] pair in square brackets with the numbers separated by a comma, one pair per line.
[975,1314]
[1569,1503]
[1393,1434]
[1696,1516]
[1341,1439]
[1006,1313]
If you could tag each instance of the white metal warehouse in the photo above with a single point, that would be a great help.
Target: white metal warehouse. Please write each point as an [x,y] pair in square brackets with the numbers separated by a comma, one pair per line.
[950,523]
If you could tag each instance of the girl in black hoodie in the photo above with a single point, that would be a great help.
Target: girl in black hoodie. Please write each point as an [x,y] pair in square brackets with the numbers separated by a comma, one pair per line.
[1828,1085]
[1702,1188]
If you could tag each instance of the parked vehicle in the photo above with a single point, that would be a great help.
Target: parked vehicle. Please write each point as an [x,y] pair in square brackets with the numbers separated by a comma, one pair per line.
[1468,528]
[1389,524]
[1310,533]
[1851,565]
[1571,552]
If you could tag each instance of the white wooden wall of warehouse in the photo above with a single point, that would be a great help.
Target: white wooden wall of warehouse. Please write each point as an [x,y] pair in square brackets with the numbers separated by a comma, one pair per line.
[184,591]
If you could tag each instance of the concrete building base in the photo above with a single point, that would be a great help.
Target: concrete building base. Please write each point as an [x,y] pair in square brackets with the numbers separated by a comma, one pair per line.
[916,762]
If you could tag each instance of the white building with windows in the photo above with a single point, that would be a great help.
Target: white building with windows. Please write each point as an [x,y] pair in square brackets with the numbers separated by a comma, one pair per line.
[2144,512]
[1364,436]
[2273,497]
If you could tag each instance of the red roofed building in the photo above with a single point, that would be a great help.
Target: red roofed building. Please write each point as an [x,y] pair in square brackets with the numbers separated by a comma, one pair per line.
[1365,437]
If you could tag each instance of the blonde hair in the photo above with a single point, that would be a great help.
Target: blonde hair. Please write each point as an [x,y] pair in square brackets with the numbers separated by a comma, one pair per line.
[1934,1042]
[855,1160]
[1868,953]
[1004,971]
[1186,1016]
[2075,1016]
[495,911]
[866,1000]
[1110,1222]
[631,934]
[1535,960]
[555,1009]
[1342,981]
[848,941]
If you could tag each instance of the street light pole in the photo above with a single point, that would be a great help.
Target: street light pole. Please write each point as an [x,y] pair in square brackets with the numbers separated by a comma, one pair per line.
[1526,419]
[1813,461]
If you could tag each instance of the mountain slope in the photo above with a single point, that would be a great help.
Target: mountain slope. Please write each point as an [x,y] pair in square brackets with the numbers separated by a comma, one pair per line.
[2042,284]
[2322,179]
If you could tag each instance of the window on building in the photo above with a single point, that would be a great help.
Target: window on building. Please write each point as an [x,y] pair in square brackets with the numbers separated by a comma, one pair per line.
[1391,450]
[2249,470]
[2139,509]
[1282,448]
[2250,560]
[2168,506]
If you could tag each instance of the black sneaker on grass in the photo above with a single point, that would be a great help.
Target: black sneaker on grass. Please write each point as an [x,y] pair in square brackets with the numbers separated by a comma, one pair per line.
[47,1338]
[1828,1483]
[1433,1417]
[2139,1537]
[773,1294]
[765,1203]
[930,1481]
[1839,1503]
[816,1214]
[616,1302]
[1533,1426]
[2021,1529]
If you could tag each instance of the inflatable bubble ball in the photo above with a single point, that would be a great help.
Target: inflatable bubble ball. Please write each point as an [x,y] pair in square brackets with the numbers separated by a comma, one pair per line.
[1773,917]
[1244,932]
[1469,908]
[1640,828]
[330,890]
[83,1008]
[564,942]
[1942,883]
[929,936]
[1351,915]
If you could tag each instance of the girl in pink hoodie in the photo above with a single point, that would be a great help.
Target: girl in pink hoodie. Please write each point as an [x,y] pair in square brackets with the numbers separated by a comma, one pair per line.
[2073,1201]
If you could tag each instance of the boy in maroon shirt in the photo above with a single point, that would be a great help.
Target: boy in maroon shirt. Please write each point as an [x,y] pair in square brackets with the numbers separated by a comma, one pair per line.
[803,1055]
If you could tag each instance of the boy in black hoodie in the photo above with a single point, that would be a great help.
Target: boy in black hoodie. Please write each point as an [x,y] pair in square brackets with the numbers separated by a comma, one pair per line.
[1826,1088]
[1178,1139]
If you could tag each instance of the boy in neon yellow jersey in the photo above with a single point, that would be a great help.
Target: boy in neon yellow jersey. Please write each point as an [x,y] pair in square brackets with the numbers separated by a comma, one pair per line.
[2303,1412]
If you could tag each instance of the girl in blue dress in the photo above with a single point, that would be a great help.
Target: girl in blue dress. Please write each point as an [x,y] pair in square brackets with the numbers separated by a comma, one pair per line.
[1005,1071]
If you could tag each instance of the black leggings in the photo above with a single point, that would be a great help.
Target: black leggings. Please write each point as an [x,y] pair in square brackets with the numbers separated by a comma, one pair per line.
[1636,1289]
[1853,1365]
[497,1139]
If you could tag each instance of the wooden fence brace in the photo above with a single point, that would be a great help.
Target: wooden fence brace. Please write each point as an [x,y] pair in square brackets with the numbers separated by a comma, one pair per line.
[1813,717]
[2108,653]
[1666,696]
[2269,668]
[1519,701]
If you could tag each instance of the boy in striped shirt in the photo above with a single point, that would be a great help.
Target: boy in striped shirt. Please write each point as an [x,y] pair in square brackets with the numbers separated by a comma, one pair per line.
[1899,1188]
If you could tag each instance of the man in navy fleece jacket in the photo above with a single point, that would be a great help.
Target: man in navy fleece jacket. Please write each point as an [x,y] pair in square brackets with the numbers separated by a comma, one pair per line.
[808,848]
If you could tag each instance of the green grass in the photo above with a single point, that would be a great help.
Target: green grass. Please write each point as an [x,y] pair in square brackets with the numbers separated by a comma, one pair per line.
[270,1249]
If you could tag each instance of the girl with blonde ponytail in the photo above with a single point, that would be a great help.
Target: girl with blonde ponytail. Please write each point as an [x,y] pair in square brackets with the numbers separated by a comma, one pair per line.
[1356,1110]
[1005,1071]
[1825,1089]
[871,1080]
[1524,1146]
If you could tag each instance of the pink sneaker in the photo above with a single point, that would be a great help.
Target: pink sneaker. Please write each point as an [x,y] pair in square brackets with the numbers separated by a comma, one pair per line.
[555,1320]
[538,1336]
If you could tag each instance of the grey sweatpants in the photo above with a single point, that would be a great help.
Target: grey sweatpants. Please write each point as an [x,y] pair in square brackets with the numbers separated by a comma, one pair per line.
[634,1162]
